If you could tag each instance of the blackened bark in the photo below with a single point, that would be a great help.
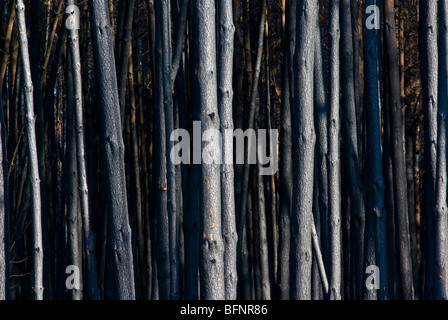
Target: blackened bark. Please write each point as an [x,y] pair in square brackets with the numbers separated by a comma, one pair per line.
[429,71]
[252,108]
[180,41]
[162,229]
[398,157]
[163,20]
[375,233]
[350,137]
[4,209]
[440,212]
[283,292]
[112,151]
[123,58]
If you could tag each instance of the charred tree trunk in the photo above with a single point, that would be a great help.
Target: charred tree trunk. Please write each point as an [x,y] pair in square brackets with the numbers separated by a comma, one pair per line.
[440,212]
[119,231]
[350,136]
[398,156]
[375,252]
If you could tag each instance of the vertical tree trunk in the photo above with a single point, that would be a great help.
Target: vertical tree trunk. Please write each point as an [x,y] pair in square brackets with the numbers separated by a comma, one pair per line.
[30,131]
[92,289]
[283,291]
[163,246]
[112,151]
[71,172]
[375,234]
[429,71]
[123,58]
[350,137]
[163,18]
[252,108]
[180,41]
[226,32]
[4,209]
[398,157]
[334,165]
[7,43]
[211,243]
[440,212]
[303,138]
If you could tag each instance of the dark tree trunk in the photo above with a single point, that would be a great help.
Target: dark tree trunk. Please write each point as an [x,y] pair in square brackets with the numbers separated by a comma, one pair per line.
[163,20]
[398,156]
[375,247]
[252,109]
[123,57]
[440,212]
[350,137]
[112,154]
[4,209]
[283,291]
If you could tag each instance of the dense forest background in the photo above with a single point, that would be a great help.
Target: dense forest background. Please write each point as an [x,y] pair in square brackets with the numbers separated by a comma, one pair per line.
[90,92]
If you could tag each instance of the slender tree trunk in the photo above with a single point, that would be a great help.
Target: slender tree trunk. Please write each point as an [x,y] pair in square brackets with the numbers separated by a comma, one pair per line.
[7,42]
[440,212]
[112,151]
[123,58]
[92,289]
[283,291]
[226,32]
[41,138]
[30,131]
[163,245]
[72,197]
[334,163]
[429,71]
[398,157]
[4,209]
[163,17]
[180,41]
[375,234]
[252,108]
[321,121]
[211,243]
[303,138]
[350,136]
